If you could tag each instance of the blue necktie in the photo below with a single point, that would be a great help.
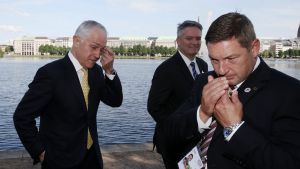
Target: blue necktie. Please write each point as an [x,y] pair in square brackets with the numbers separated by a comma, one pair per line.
[194,70]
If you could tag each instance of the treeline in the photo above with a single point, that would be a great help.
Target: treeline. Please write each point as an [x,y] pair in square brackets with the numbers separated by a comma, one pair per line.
[53,50]
[8,49]
[1,53]
[139,50]
[136,50]
[290,53]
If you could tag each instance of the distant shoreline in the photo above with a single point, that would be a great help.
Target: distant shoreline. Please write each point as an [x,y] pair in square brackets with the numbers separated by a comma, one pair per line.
[60,56]
[117,57]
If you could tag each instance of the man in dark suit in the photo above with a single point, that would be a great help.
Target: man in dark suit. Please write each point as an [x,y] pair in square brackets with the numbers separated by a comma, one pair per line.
[173,81]
[67,136]
[258,123]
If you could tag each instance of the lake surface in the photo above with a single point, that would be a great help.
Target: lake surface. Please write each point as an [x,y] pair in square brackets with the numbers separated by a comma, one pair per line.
[130,123]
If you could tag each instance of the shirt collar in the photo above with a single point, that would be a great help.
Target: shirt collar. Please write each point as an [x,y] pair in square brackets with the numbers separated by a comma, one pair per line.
[186,60]
[74,61]
[255,66]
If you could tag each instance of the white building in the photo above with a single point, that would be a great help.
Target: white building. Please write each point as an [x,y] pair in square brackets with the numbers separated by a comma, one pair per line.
[113,42]
[166,41]
[128,42]
[64,42]
[30,45]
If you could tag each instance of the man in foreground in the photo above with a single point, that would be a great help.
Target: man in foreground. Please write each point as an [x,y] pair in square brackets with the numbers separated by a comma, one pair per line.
[243,114]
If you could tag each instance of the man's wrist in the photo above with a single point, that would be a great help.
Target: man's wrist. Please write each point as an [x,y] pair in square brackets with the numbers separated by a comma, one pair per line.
[230,130]
[111,72]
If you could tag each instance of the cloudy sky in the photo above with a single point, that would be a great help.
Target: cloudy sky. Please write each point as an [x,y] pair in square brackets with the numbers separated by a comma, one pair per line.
[55,18]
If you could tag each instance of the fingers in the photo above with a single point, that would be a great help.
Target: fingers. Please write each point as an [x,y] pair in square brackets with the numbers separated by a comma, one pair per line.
[235,97]
[210,78]
[107,59]
[227,110]
[215,88]
[42,156]
[212,92]
[107,54]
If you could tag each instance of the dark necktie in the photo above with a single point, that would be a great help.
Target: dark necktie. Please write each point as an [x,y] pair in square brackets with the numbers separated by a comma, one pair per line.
[204,144]
[194,70]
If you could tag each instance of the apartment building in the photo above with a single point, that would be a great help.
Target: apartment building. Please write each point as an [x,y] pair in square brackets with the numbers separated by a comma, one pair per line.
[64,42]
[30,45]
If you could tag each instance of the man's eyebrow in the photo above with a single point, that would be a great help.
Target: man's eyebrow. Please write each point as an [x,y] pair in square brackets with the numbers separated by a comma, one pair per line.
[95,43]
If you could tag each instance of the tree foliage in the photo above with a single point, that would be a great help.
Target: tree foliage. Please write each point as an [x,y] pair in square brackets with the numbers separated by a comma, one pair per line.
[139,50]
[53,50]
[9,49]
[1,53]
[290,53]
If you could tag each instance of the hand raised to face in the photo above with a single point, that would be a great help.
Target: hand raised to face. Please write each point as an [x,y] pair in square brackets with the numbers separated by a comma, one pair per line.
[107,60]
[212,92]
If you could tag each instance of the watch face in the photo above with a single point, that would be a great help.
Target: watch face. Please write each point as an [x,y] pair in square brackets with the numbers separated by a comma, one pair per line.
[227,132]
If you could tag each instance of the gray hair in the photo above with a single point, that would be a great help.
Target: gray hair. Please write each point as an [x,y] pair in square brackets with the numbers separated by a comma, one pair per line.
[85,27]
[186,24]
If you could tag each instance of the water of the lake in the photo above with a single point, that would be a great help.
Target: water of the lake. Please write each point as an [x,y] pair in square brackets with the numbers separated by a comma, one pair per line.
[130,123]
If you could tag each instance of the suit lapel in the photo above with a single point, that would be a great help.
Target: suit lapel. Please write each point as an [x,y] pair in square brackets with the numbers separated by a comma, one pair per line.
[73,81]
[199,65]
[256,80]
[183,68]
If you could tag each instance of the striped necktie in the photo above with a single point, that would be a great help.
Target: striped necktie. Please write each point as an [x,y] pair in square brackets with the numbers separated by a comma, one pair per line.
[203,145]
[85,89]
[194,70]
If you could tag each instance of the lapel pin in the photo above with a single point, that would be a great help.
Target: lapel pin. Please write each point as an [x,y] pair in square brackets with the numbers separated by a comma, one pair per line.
[247,90]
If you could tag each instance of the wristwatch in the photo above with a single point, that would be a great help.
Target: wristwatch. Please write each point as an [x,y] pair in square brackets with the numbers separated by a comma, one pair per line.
[228,130]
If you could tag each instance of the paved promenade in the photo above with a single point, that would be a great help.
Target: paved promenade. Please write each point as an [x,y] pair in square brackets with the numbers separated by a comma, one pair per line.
[116,156]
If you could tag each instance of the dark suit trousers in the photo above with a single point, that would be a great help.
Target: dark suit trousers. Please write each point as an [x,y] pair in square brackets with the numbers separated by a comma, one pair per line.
[90,161]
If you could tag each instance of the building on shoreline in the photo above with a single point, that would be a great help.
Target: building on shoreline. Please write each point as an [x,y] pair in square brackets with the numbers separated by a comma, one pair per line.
[274,45]
[30,45]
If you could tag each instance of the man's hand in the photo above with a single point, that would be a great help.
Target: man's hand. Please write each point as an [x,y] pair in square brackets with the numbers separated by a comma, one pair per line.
[42,156]
[212,92]
[107,60]
[229,111]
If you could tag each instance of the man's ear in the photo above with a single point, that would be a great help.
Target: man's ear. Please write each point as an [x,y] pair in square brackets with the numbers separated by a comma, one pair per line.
[76,40]
[255,47]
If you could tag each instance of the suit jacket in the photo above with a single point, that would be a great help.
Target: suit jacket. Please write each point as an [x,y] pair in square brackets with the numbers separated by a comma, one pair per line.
[171,85]
[55,95]
[270,135]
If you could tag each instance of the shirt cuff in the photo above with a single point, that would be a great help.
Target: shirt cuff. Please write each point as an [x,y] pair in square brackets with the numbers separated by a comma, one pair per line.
[233,131]
[111,76]
[201,125]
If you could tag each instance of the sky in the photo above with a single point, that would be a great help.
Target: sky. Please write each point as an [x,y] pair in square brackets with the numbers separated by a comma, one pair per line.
[145,18]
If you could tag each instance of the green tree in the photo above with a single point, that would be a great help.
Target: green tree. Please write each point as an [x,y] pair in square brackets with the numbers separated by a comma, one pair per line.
[280,53]
[297,53]
[122,49]
[1,53]
[9,49]
[285,53]
[53,50]
[291,53]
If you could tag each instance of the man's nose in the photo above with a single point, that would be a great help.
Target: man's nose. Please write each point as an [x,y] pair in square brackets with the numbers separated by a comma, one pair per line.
[223,69]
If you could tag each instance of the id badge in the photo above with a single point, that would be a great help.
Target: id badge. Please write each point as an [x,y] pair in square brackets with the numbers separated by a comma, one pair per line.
[191,160]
